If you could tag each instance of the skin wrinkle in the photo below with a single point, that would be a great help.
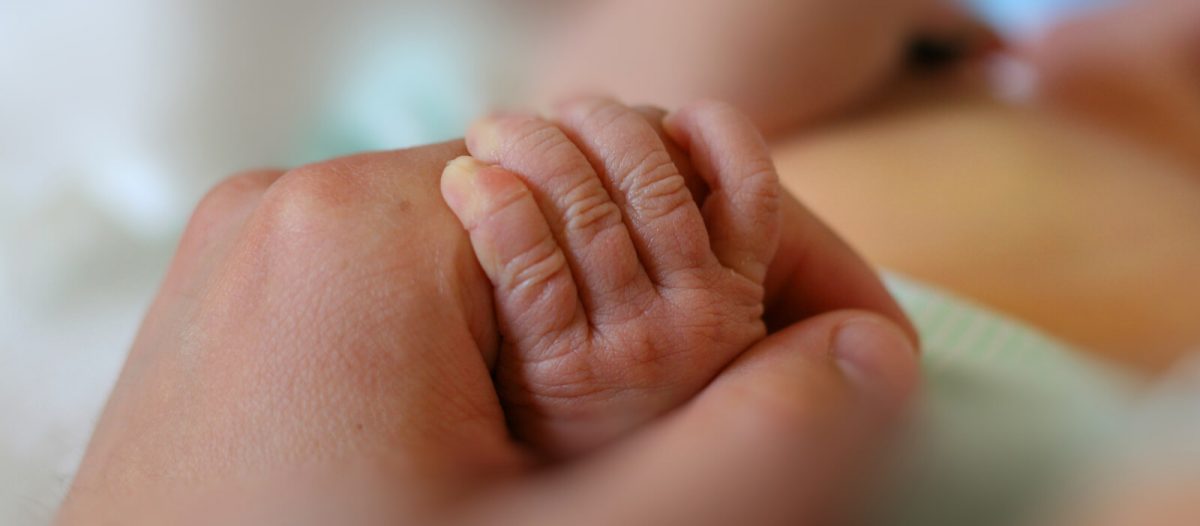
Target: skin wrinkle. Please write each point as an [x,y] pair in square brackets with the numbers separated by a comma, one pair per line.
[671,189]
[597,118]
[536,266]
[498,204]
[620,297]
[627,171]
[569,326]
[626,310]
[590,210]
[574,333]
[534,136]
[571,200]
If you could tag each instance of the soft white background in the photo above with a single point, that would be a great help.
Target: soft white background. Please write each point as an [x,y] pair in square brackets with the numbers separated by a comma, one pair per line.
[115,116]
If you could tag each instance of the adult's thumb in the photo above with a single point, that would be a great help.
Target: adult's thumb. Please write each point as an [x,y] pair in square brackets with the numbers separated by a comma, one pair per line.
[783,436]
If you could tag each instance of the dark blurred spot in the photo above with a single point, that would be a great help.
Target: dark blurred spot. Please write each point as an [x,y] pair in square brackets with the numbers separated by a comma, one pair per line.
[930,54]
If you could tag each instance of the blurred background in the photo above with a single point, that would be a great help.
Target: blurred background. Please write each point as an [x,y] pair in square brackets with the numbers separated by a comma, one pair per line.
[116,116]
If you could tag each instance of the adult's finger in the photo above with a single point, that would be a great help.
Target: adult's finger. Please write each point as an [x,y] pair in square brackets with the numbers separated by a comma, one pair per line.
[815,271]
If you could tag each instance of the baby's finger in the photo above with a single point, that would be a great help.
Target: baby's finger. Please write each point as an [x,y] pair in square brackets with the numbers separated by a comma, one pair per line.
[535,293]
[583,217]
[654,117]
[742,209]
[663,219]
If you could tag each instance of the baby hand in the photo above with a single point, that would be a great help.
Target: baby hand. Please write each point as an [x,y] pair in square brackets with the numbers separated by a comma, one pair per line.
[618,296]
[620,293]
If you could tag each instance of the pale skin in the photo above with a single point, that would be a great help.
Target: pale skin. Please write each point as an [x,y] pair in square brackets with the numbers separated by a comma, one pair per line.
[323,345]
[322,350]
[311,393]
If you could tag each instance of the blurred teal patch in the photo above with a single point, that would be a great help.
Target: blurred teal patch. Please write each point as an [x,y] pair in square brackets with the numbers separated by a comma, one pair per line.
[411,90]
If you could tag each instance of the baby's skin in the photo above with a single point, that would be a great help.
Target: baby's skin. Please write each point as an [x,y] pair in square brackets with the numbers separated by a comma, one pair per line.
[623,282]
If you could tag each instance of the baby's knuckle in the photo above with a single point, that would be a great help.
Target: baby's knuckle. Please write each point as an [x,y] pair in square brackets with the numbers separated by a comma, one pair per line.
[605,117]
[530,136]
[496,205]
[761,185]
[590,209]
[535,266]
[538,139]
[661,197]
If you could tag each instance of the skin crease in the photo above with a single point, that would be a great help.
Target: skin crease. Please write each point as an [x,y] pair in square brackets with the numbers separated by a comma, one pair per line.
[322,346]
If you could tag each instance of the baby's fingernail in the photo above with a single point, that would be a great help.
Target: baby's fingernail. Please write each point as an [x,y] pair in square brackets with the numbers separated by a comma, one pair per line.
[483,138]
[877,358]
[459,187]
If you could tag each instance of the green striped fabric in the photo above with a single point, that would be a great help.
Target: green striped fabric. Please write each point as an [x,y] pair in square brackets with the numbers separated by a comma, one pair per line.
[1008,416]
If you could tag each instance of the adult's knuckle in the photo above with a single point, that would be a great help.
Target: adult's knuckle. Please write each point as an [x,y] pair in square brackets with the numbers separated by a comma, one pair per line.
[220,208]
[235,191]
[310,197]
